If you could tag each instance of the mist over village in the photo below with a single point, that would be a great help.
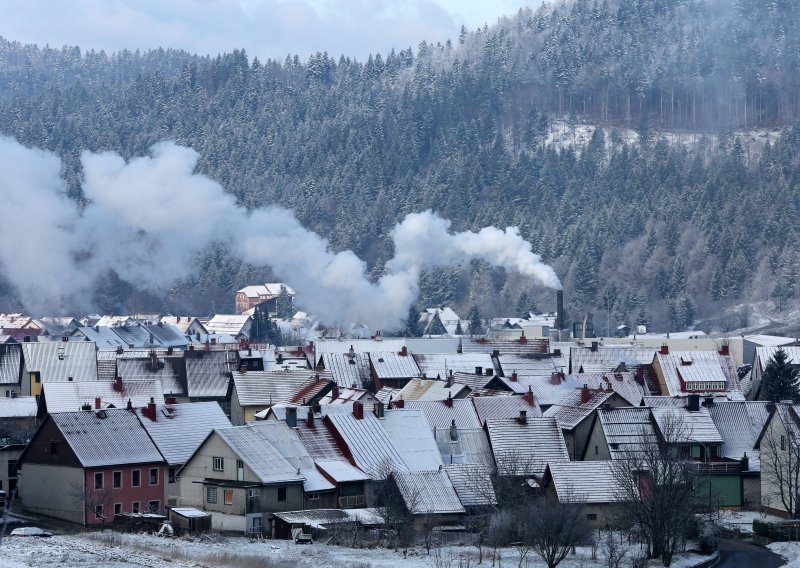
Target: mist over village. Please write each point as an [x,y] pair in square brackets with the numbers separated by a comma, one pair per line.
[453,284]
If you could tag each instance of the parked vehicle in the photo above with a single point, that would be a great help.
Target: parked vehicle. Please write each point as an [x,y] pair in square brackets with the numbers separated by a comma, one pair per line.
[301,538]
[30,531]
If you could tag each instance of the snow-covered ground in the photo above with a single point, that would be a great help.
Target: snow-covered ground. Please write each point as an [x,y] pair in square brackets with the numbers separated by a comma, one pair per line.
[115,550]
[789,550]
[743,520]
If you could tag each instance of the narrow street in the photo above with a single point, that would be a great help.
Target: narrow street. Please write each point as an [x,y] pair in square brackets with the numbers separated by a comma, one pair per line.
[740,554]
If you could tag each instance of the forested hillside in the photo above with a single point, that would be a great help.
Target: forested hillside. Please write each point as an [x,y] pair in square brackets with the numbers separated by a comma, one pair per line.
[643,229]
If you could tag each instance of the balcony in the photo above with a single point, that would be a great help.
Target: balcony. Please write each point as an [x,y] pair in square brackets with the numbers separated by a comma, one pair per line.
[352,502]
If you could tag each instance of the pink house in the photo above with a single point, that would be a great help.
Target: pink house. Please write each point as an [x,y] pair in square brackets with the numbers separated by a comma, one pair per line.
[87,466]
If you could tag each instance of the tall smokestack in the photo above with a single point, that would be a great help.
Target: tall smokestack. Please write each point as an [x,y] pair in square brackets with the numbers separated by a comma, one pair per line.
[559,310]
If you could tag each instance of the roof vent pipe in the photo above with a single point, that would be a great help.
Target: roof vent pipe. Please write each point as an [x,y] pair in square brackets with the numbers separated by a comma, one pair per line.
[291,416]
[453,431]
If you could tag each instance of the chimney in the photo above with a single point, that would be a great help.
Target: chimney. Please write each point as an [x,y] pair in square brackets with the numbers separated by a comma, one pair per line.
[279,358]
[117,386]
[513,377]
[242,369]
[450,378]
[310,418]
[523,340]
[555,379]
[664,349]
[489,371]
[523,417]
[585,394]
[97,403]
[26,339]
[708,401]
[130,406]
[97,328]
[640,375]
[478,371]
[556,352]
[153,360]
[693,403]
[594,346]
[150,409]
[291,416]
[559,310]
[358,410]
[528,396]
[724,349]
[171,400]
[449,400]
[745,462]
[178,319]
[249,351]
[335,392]
[377,408]
[453,431]
[495,353]
[404,351]
[399,403]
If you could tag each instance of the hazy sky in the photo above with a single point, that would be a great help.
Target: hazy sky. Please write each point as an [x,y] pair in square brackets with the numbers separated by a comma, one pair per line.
[266,28]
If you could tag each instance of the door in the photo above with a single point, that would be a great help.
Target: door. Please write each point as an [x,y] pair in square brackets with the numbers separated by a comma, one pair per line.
[239,470]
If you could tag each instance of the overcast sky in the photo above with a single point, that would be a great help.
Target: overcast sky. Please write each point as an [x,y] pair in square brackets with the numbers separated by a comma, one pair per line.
[266,28]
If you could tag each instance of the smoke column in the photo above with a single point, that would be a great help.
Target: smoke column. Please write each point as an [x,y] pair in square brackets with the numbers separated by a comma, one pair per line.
[148,218]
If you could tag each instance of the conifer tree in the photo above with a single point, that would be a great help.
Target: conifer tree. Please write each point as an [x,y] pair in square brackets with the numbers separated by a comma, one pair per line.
[780,379]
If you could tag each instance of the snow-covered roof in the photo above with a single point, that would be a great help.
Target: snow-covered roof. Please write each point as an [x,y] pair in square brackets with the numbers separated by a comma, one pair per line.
[697,367]
[473,484]
[527,366]
[103,337]
[585,481]
[10,363]
[521,346]
[183,323]
[179,429]
[680,426]
[346,370]
[441,414]
[627,430]
[431,389]
[106,437]
[69,397]
[439,365]
[368,443]
[525,449]
[232,324]
[570,410]
[391,365]
[208,373]
[624,384]
[57,361]
[606,358]
[19,407]
[270,289]
[463,445]
[410,434]
[426,492]
[740,423]
[488,407]
[134,336]
[167,335]
[170,371]
[765,354]
[263,459]
[341,471]
[265,388]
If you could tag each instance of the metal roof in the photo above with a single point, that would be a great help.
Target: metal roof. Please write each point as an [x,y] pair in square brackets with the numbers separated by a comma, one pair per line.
[69,397]
[287,442]
[473,484]
[570,411]
[764,354]
[624,384]
[103,336]
[440,365]
[441,415]
[208,373]
[522,346]
[341,470]
[679,426]
[431,389]
[390,365]
[57,361]
[527,365]
[740,423]
[368,443]
[183,323]
[704,366]
[488,407]
[426,492]
[10,363]
[171,371]
[525,449]
[107,437]
[627,430]
[468,446]
[179,429]
[263,459]
[167,335]
[348,371]
[412,437]
[265,388]
[606,358]
[135,336]
[585,482]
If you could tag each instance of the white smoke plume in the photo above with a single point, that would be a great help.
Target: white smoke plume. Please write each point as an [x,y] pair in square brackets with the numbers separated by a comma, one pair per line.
[148,218]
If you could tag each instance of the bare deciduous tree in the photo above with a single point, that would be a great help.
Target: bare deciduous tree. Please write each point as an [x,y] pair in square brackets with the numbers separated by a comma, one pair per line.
[97,502]
[780,466]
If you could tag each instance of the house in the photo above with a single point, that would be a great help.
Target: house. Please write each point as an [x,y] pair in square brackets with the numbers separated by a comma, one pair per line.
[779,448]
[489,407]
[136,336]
[250,296]
[177,430]
[86,466]
[188,325]
[339,395]
[103,337]
[429,389]
[392,369]
[17,419]
[473,485]
[238,476]
[349,369]
[10,369]
[9,455]
[523,446]
[208,375]
[167,335]
[429,497]
[625,384]
[619,433]
[439,322]
[252,392]
[438,365]
[168,370]
[575,413]
[591,484]
[237,326]
[681,373]
[86,395]
[57,361]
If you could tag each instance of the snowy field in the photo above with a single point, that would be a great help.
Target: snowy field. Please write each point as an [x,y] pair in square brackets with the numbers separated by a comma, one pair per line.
[743,520]
[124,550]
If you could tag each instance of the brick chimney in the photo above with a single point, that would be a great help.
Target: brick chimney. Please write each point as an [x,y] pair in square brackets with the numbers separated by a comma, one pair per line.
[528,396]
[150,409]
[523,340]
[98,403]
[449,400]
[399,403]
[664,349]
[523,417]
[310,418]
[335,392]
[479,371]
[585,394]
[117,386]
[404,351]
[724,349]
[513,377]
[358,410]
[555,379]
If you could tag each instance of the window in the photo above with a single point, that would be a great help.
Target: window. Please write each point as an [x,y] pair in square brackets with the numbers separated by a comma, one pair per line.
[228,494]
[12,468]
[116,479]
[153,506]
[98,480]
[596,450]
[172,475]
[211,494]
[53,447]
[98,511]
[117,508]
[313,496]
[783,442]
[253,493]
[219,464]
[281,494]
[136,478]
[153,476]
[135,507]
[591,516]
